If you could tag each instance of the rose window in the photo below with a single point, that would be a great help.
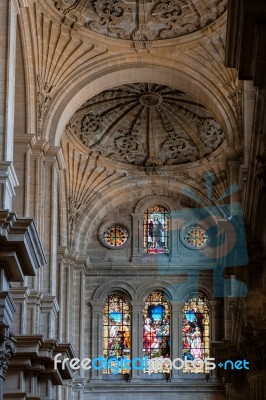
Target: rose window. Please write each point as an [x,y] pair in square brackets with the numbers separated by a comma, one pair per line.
[196,237]
[115,236]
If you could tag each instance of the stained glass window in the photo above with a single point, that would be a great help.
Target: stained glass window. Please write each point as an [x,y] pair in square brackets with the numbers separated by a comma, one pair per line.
[115,236]
[117,329]
[196,237]
[196,332]
[156,328]
[156,230]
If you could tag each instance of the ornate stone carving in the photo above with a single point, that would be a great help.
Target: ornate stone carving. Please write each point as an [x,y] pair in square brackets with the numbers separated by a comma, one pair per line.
[175,15]
[91,128]
[143,38]
[147,124]
[63,5]
[129,149]
[179,149]
[43,98]
[7,349]
[211,133]
[74,213]
[235,95]
[141,21]
[112,15]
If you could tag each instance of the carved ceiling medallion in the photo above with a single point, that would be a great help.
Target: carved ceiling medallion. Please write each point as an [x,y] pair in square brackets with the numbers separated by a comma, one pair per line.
[141,20]
[148,125]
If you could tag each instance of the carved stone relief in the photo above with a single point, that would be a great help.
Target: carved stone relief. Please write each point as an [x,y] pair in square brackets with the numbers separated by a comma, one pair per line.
[147,124]
[141,21]
[44,98]
[7,349]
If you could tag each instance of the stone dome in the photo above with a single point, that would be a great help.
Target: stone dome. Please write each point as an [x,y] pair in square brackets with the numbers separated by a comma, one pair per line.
[147,124]
[141,20]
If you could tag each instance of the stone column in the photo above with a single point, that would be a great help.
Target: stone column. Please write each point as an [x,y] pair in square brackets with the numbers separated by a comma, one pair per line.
[96,336]
[174,238]
[176,336]
[137,238]
[8,178]
[136,337]
[214,331]
[214,312]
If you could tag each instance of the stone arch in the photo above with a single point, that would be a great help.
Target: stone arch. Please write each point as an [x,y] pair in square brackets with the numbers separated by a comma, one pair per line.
[144,290]
[138,69]
[146,202]
[104,290]
[185,289]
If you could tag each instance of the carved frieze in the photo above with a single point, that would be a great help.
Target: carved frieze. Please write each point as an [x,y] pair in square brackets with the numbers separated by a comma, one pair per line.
[141,21]
[147,124]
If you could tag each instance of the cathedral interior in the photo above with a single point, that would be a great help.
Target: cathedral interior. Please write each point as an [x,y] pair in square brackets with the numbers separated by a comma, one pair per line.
[132,199]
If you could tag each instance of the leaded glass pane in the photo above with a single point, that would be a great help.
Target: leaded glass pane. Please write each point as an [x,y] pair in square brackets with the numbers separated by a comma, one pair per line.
[156,230]
[117,329]
[196,331]
[156,329]
[196,237]
[115,236]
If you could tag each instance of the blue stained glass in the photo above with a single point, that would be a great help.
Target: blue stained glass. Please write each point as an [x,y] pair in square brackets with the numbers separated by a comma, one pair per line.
[116,316]
[156,330]
[190,316]
[196,331]
[117,332]
[157,313]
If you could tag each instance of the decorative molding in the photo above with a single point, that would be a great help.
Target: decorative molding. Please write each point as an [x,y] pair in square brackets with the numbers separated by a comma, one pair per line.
[8,181]
[22,251]
[35,355]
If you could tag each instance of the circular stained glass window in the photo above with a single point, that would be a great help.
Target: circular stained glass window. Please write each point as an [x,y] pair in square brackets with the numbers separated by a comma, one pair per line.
[196,237]
[115,236]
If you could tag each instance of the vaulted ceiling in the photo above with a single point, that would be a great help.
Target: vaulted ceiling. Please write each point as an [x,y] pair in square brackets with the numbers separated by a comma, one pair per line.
[147,124]
[142,19]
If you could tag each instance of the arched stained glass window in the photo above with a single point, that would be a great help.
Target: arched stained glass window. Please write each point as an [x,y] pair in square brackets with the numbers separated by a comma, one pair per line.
[117,329]
[196,332]
[156,230]
[156,328]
